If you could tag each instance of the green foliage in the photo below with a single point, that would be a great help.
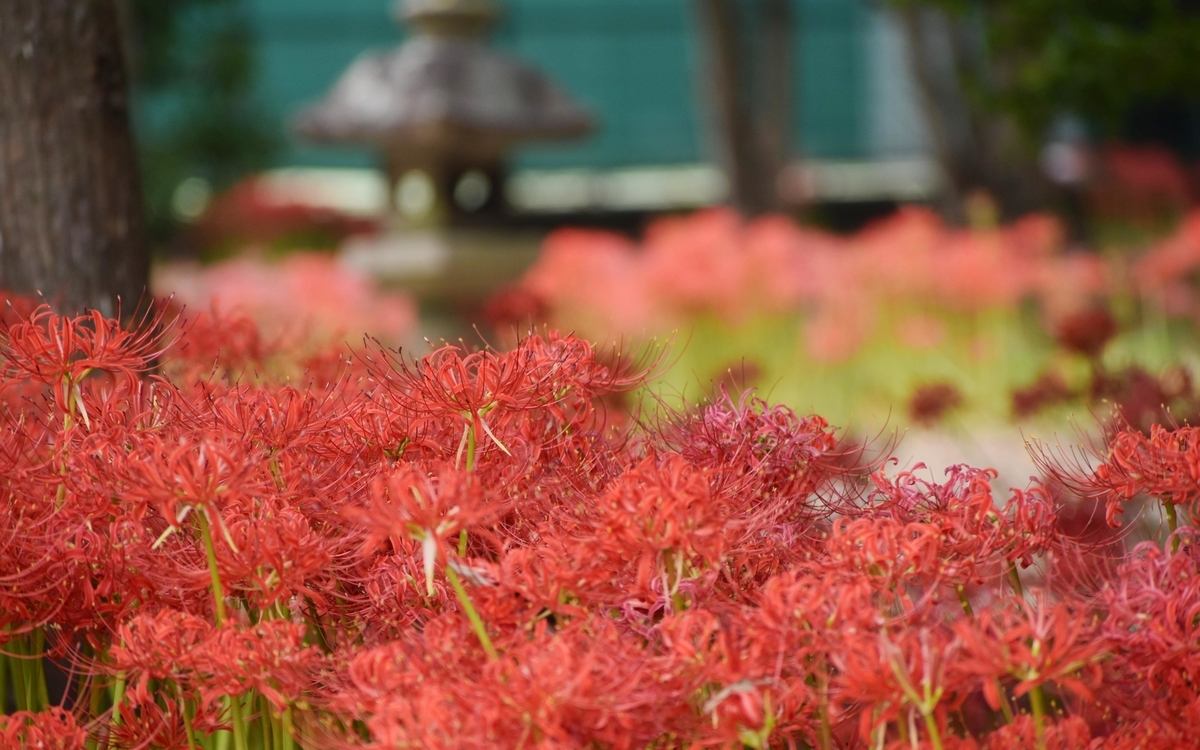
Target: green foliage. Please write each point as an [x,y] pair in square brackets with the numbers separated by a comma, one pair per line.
[197,116]
[1095,58]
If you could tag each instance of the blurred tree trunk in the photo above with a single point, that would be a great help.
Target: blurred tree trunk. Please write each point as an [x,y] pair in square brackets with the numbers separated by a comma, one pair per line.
[977,150]
[746,79]
[71,224]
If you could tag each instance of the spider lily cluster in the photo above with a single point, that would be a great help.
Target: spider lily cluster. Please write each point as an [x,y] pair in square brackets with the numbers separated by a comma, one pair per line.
[907,310]
[482,550]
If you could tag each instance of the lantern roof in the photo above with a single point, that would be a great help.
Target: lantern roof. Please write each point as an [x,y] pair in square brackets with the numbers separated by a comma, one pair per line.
[441,87]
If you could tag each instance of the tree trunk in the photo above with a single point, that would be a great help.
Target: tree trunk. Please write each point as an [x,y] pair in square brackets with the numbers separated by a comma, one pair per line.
[744,77]
[71,224]
[776,110]
[978,151]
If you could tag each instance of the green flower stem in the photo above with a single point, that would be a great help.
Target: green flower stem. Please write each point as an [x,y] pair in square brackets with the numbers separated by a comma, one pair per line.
[288,729]
[1037,702]
[235,705]
[963,600]
[28,675]
[472,615]
[213,572]
[39,670]
[1005,706]
[266,724]
[315,631]
[1015,578]
[935,737]
[118,696]
[826,728]
[95,698]
[235,718]
[3,682]
[16,666]
[1172,522]
[187,719]
[471,447]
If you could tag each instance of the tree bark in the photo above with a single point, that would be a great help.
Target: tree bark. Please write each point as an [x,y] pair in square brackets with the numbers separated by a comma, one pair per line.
[71,222]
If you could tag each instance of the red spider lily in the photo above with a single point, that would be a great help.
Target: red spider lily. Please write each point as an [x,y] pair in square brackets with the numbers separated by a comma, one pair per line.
[932,402]
[542,581]
[663,504]
[1048,390]
[397,594]
[577,369]
[218,343]
[884,550]
[514,309]
[275,420]
[1144,734]
[740,688]
[1035,644]
[54,729]
[653,537]
[973,530]
[269,658]
[724,578]
[582,682]
[428,503]
[158,647]
[15,308]
[1152,633]
[385,684]
[1064,733]
[448,384]
[179,474]
[143,723]
[763,456]
[1086,332]
[907,676]
[552,692]
[51,349]
[1165,465]
[274,555]
[483,390]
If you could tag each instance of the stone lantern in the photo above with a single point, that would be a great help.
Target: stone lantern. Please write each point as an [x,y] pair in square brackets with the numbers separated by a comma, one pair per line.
[443,109]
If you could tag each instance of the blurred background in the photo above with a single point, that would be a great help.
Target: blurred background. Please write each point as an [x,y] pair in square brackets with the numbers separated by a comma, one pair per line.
[856,101]
[930,213]
[220,83]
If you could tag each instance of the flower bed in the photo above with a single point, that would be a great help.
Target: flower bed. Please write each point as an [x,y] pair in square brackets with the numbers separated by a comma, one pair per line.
[303,300]
[856,327]
[483,550]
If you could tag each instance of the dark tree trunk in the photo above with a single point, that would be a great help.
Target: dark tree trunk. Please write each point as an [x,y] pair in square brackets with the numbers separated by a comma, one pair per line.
[776,111]
[71,224]
[745,79]
[978,150]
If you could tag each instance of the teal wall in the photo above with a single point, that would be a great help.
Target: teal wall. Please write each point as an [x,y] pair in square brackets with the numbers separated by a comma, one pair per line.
[630,61]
